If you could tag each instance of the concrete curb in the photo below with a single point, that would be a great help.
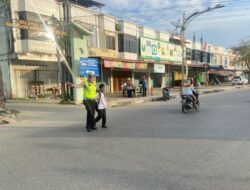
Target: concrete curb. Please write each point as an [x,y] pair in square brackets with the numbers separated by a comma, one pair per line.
[136,101]
[36,101]
[212,91]
[129,102]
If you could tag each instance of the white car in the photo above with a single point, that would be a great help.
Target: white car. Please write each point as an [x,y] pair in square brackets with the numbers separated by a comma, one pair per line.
[239,80]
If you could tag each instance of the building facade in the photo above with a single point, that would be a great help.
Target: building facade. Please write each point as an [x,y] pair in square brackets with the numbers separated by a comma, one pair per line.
[31,63]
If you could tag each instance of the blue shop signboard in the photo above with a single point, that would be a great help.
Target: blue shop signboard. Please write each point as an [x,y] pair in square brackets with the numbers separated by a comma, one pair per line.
[89,65]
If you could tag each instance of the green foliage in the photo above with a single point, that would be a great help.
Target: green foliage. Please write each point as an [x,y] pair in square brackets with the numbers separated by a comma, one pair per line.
[66,102]
[62,42]
[21,99]
[244,49]
[117,27]
[15,112]
[6,2]
[43,96]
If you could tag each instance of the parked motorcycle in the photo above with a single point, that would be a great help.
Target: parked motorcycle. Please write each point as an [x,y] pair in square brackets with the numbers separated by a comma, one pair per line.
[187,104]
[165,94]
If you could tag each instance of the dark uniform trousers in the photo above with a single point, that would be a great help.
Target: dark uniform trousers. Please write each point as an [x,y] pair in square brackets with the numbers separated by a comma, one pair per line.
[90,107]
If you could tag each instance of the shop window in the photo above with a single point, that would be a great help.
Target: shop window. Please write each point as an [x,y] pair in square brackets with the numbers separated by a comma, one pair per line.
[110,42]
[156,80]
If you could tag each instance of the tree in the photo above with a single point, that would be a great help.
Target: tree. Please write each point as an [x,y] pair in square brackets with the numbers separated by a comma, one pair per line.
[6,3]
[244,49]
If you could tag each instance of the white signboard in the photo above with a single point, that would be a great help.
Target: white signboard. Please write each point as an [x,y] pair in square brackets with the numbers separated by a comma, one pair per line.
[158,68]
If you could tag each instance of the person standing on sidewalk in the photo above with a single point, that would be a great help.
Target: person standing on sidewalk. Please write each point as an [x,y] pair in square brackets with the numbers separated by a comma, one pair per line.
[89,95]
[140,84]
[144,87]
[102,105]
[129,88]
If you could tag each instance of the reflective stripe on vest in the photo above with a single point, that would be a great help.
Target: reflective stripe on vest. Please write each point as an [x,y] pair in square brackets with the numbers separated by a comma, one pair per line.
[89,91]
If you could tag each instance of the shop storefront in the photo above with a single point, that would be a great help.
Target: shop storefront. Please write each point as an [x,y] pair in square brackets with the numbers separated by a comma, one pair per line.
[30,78]
[218,76]
[115,73]
[156,77]
[165,59]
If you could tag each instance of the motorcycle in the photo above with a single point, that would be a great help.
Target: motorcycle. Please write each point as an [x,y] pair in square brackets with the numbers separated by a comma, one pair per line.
[165,94]
[187,104]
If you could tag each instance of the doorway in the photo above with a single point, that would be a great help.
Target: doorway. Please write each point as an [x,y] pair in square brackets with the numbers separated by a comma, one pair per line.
[119,77]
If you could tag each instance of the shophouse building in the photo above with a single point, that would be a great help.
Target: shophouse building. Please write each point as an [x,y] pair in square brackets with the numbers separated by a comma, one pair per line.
[31,60]
[31,55]
[123,50]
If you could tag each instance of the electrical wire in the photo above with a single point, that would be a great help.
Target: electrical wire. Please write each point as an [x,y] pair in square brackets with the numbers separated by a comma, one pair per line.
[201,20]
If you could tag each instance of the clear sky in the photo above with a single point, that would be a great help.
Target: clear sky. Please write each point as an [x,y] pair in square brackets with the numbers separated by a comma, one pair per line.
[224,27]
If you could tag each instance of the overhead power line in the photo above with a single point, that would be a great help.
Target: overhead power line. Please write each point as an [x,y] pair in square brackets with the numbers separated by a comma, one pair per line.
[230,2]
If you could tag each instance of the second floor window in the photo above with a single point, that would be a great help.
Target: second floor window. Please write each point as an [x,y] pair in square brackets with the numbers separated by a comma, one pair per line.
[188,54]
[110,42]
[128,43]
[33,34]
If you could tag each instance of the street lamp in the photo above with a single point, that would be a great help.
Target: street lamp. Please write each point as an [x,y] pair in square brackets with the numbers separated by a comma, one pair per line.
[186,22]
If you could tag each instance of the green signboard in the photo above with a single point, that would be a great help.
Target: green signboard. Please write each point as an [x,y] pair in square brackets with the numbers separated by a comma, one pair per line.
[152,49]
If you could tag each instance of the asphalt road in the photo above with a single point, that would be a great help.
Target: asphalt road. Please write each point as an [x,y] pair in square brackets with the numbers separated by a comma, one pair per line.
[146,147]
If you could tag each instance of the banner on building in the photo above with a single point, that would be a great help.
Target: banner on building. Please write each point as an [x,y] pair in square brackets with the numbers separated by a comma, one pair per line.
[31,25]
[124,65]
[141,65]
[103,53]
[152,49]
[158,68]
[89,65]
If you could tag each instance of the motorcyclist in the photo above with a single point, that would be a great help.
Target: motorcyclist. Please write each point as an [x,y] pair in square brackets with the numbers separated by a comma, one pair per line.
[188,90]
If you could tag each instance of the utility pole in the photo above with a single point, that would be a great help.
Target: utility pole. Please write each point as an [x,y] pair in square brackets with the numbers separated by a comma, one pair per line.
[67,20]
[9,41]
[183,45]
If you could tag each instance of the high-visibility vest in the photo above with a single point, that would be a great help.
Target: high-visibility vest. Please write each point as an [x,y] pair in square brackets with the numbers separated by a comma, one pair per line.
[89,90]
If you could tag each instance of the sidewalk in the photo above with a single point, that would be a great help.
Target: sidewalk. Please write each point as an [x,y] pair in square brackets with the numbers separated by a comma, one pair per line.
[116,100]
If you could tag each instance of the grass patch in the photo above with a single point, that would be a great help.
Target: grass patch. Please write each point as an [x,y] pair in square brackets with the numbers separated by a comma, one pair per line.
[14,112]
[67,102]
[43,96]
[21,99]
